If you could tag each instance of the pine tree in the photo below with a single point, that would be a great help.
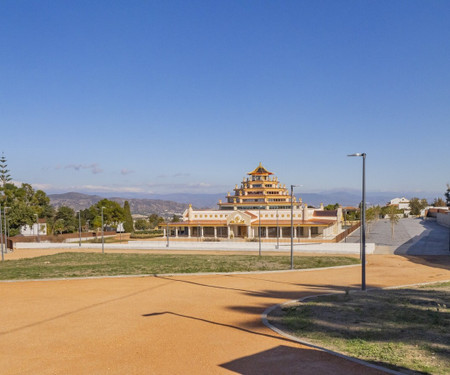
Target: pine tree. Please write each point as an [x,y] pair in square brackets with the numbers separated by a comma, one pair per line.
[4,171]
[128,222]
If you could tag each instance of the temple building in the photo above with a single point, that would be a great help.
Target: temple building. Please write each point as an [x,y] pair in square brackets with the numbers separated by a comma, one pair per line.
[259,205]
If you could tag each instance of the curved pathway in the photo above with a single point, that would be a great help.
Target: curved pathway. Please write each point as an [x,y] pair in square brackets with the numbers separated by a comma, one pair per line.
[178,325]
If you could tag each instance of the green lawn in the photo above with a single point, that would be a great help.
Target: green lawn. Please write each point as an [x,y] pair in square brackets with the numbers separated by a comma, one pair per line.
[404,329]
[94,264]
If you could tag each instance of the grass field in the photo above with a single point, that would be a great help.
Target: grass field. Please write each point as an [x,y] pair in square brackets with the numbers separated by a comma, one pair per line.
[94,264]
[404,329]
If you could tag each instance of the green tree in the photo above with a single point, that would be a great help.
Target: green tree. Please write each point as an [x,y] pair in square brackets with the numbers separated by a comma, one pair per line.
[155,220]
[113,213]
[416,205]
[128,219]
[175,219]
[5,177]
[58,226]
[24,203]
[19,214]
[331,207]
[142,224]
[67,216]
[438,202]
[96,223]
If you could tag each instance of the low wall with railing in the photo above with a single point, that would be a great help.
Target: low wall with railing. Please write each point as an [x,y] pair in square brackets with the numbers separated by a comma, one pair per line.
[347,232]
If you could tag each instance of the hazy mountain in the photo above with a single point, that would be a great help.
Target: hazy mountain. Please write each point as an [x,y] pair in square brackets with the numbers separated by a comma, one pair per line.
[197,200]
[79,201]
[168,204]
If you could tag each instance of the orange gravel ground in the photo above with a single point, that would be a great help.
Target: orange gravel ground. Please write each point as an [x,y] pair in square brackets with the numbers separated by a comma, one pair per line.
[178,325]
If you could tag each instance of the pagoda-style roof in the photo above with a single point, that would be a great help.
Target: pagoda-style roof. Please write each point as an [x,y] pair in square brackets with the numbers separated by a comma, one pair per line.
[260,171]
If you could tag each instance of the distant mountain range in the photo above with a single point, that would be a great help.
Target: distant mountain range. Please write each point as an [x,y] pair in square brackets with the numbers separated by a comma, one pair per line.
[79,201]
[168,204]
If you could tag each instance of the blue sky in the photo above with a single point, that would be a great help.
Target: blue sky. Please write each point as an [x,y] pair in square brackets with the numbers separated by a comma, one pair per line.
[188,96]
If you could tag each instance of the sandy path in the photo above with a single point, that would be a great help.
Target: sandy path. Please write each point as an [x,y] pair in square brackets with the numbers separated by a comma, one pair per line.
[177,325]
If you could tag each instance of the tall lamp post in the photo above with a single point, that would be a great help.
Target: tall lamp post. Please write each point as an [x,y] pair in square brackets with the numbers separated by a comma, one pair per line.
[6,229]
[79,225]
[103,237]
[259,230]
[292,226]
[167,244]
[1,234]
[278,233]
[363,222]
[37,227]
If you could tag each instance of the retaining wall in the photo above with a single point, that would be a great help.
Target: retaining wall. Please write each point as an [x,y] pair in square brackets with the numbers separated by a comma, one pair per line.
[326,248]
[443,219]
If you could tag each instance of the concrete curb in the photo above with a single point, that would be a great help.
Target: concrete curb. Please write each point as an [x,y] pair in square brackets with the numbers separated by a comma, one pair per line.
[180,274]
[264,318]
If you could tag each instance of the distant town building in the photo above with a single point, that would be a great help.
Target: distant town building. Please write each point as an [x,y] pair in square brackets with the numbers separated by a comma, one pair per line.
[401,203]
[260,201]
[35,229]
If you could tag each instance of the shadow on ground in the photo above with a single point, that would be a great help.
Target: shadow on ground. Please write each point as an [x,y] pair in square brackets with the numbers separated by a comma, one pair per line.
[434,240]
[290,360]
[436,261]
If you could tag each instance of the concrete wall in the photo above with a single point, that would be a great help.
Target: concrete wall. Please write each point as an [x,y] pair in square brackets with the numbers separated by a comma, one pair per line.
[443,219]
[324,248]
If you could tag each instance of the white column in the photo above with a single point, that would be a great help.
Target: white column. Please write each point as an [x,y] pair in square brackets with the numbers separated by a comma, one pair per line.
[267,232]
[228,232]
[164,231]
[309,232]
[176,231]
[295,231]
[189,232]
[249,232]
[280,231]
[201,232]
[215,232]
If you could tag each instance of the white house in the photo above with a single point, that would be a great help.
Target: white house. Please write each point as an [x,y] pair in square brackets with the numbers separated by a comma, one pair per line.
[27,230]
[401,203]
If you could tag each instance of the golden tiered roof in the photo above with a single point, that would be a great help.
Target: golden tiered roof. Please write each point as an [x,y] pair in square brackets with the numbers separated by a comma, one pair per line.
[260,171]
[258,191]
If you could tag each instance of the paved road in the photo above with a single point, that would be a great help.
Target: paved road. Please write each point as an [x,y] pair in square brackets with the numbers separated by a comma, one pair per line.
[208,324]
[412,236]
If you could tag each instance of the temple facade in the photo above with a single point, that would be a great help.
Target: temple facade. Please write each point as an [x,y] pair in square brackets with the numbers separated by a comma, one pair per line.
[260,206]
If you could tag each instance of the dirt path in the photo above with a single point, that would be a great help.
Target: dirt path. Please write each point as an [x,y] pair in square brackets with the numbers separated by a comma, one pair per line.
[178,325]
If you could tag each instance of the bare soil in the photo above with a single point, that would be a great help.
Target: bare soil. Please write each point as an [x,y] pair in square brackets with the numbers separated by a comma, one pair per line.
[207,324]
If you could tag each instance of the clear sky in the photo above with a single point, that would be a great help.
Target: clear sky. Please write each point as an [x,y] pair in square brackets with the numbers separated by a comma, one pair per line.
[187,96]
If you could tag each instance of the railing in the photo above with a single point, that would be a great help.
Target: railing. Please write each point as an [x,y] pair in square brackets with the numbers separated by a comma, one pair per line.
[346,232]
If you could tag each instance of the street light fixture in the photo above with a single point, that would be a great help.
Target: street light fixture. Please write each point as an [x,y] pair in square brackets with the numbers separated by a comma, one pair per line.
[103,238]
[363,221]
